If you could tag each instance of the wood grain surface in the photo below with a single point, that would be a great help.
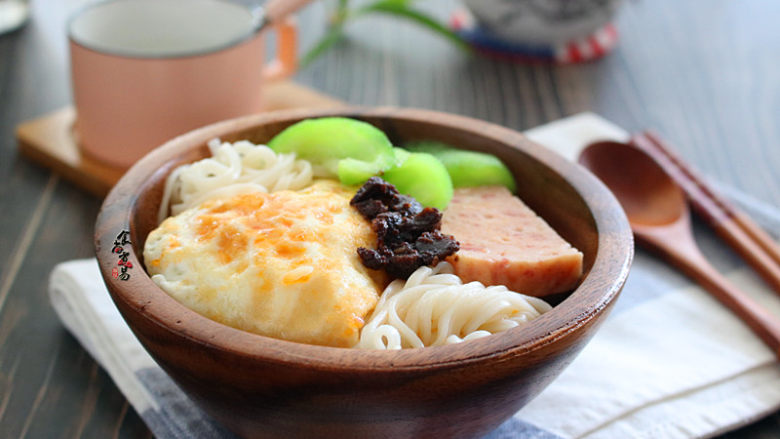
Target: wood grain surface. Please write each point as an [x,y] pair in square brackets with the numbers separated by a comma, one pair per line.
[703,73]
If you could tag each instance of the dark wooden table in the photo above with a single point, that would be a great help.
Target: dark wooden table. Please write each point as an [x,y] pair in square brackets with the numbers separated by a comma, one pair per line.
[704,73]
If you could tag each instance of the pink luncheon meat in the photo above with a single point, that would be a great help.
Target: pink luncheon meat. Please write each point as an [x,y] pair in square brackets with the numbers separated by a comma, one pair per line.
[503,242]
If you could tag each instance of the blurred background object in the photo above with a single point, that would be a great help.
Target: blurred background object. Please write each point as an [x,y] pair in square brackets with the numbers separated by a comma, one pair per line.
[561,31]
[558,31]
[195,63]
[13,14]
[542,22]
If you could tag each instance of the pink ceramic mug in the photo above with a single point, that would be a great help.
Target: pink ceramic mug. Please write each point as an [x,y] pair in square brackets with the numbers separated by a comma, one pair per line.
[145,71]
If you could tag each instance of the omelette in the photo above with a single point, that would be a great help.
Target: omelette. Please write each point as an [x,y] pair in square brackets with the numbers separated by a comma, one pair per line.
[279,264]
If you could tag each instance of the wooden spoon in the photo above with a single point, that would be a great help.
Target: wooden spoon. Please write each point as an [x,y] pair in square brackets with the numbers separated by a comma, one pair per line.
[660,219]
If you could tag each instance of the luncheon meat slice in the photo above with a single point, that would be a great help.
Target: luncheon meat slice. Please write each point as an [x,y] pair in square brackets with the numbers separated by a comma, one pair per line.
[503,242]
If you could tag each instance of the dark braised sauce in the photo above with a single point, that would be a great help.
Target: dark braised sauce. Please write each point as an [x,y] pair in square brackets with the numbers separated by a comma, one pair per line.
[408,235]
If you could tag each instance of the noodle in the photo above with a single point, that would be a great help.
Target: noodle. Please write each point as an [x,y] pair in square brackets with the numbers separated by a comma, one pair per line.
[233,169]
[433,307]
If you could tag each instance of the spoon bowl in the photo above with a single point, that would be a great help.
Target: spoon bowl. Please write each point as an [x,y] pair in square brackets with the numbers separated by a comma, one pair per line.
[647,193]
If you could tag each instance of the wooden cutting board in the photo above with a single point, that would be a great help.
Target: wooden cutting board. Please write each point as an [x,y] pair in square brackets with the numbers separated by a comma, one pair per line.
[51,141]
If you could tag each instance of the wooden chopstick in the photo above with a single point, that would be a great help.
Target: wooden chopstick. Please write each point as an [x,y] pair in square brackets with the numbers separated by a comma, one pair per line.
[756,233]
[735,227]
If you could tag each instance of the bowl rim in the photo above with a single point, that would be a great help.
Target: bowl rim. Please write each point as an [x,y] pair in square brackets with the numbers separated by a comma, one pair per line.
[613,259]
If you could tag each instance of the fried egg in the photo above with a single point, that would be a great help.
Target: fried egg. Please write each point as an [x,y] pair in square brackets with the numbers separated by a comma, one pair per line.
[281,264]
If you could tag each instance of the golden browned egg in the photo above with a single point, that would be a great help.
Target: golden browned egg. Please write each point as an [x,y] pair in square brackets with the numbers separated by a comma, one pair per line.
[282,264]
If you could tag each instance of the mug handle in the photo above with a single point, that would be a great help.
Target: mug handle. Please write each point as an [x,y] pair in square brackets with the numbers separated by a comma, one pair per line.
[286,61]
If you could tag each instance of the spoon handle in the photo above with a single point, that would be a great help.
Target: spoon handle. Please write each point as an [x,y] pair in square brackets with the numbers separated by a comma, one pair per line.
[688,258]
[763,324]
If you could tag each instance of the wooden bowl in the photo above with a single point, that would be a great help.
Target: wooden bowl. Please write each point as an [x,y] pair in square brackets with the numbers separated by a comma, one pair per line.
[263,387]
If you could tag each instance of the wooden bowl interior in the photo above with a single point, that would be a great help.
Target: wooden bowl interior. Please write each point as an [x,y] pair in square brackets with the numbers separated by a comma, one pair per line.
[537,184]
[571,200]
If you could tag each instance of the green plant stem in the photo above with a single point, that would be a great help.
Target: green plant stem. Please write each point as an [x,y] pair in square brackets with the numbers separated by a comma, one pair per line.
[331,37]
[400,9]
[396,8]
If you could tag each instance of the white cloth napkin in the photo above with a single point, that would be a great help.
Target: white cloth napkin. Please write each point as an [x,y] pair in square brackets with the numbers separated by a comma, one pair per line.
[670,362]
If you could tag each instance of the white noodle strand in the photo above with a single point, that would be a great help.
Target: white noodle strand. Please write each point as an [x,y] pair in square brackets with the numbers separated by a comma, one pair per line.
[433,307]
[233,169]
